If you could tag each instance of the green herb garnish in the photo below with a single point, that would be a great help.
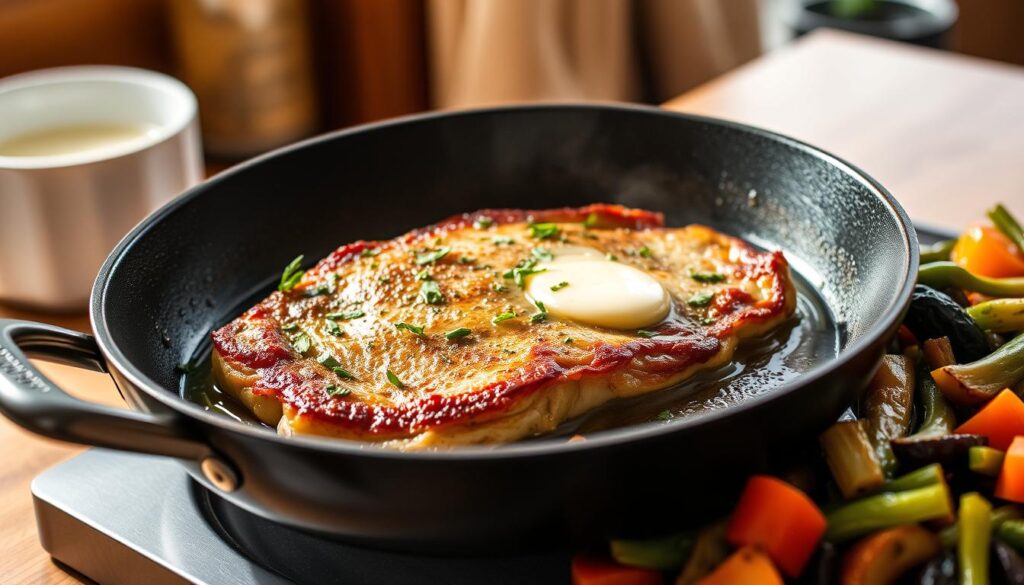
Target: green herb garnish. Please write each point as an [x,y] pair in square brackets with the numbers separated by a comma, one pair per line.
[483,222]
[567,341]
[503,317]
[542,254]
[543,231]
[499,240]
[328,360]
[432,256]
[611,257]
[540,306]
[496,287]
[368,252]
[384,279]
[301,343]
[707,320]
[430,293]
[290,327]
[700,299]
[559,286]
[466,260]
[345,315]
[707,277]
[292,275]
[645,252]
[333,390]
[646,333]
[423,275]
[665,415]
[591,220]
[343,373]
[394,380]
[538,317]
[414,329]
[522,270]
[457,333]
[332,327]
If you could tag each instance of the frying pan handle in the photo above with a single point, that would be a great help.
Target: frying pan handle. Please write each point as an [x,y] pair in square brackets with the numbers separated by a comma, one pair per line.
[31,400]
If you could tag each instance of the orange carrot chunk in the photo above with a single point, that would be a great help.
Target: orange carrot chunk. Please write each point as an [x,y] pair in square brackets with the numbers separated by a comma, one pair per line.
[1010,485]
[746,565]
[778,519]
[1000,420]
[985,251]
[587,570]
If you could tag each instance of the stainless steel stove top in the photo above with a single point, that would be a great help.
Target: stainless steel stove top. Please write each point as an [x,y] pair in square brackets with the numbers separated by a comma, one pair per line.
[121,518]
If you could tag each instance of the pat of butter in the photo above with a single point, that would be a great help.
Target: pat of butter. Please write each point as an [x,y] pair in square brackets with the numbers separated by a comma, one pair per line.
[599,292]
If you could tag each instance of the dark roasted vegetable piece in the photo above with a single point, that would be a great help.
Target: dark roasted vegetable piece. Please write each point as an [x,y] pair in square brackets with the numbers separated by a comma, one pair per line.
[709,550]
[979,381]
[999,315]
[937,252]
[948,274]
[1011,563]
[938,352]
[667,552]
[851,458]
[933,314]
[975,536]
[949,450]
[822,568]
[888,406]
[889,509]
[883,556]
[938,571]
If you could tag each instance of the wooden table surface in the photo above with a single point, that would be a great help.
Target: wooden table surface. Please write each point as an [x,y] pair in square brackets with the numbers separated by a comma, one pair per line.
[943,132]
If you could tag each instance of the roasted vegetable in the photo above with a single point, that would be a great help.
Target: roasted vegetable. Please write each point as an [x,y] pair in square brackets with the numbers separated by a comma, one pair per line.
[918,478]
[944,274]
[984,251]
[1000,420]
[709,550]
[888,406]
[663,553]
[1010,484]
[937,252]
[979,381]
[985,460]
[851,458]
[975,534]
[889,509]
[1008,226]
[1009,562]
[1012,533]
[999,315]
[949,450]
[823,567]
[883,556]
[937,417]
[932,314]
[938,352]
[588,570]
[747,565]
[779,520]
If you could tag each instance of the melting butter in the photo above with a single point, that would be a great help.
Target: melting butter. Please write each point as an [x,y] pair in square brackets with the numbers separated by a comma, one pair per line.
[580,285]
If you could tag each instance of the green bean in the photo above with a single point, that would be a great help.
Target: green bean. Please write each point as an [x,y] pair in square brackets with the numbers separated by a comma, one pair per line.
[985,460]
[975,537]
[1007,224]
[938,418]
[1003,368]
[1000,315]
[937,252]
[1012,533]
[663,553]
[888,509]
[919,478]
[947,274]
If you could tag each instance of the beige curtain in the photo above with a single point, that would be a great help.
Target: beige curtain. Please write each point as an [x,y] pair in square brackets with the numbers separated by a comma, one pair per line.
[497,51]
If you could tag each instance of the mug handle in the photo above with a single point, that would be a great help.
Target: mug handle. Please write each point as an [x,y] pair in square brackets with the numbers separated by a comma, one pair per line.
[32,401]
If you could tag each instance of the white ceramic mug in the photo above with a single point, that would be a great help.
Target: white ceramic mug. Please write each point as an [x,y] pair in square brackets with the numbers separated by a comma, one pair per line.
[61,214]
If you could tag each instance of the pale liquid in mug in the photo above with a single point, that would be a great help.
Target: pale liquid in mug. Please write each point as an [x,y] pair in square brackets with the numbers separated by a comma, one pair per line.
[72,139]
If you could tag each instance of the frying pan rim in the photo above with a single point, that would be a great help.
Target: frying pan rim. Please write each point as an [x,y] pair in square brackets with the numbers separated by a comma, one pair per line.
[532,449]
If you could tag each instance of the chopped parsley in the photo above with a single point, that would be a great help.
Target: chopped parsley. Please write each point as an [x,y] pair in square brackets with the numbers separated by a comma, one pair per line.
[700,299]
[328,360]
[567,341]
[707,277]
[301,343]
[543,231]
[333,390]
[384,279]
[345,315]
[500,240]
[646,333]
[423,275]
[430,293]
[414,329]
[393,379]
[559,286]
[542,254]
[522,270]
[431,256]
[290,327]
[332,327]
[343,373]
[483,222]
[497,287]
[540,306]
[457,333]
[665,415]
[538,317]
[466,260]
[591,220]
[645,252]
[611,257]
[707,320]
[292,275]
[368,252]
[503,317]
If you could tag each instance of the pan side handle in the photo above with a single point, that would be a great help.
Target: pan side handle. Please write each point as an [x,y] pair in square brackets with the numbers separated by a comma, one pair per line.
[32,401]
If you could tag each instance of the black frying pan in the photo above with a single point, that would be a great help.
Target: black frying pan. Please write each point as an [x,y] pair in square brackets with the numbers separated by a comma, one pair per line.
[194,264]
